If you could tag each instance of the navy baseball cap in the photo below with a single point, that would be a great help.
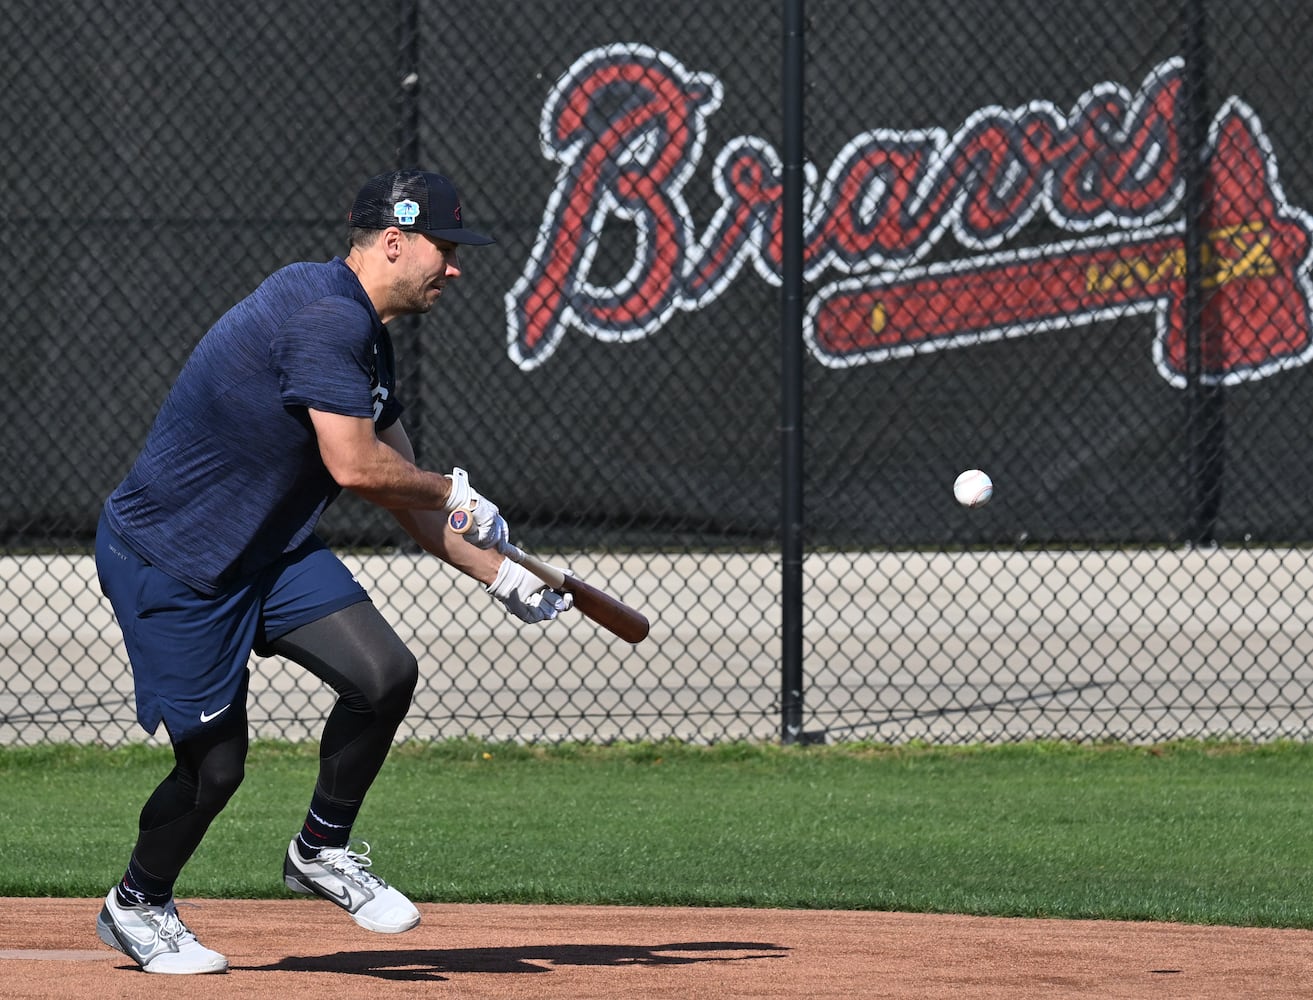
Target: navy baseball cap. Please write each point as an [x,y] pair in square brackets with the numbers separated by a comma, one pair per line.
[414,201]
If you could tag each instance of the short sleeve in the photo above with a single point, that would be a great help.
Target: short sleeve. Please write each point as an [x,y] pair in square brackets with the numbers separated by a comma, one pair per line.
[324,357]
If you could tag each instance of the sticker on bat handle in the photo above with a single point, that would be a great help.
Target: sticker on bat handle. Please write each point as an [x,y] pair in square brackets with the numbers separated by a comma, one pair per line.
[460,520]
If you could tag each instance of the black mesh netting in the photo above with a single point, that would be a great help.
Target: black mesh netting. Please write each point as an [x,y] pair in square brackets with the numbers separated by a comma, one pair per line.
[1066,243]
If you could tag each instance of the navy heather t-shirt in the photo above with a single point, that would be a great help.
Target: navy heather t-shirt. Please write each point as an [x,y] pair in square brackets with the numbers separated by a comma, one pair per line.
[230,475]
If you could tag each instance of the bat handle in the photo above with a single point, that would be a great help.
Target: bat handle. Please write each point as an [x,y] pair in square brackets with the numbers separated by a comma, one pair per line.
[461,520]
[551,575]
[614,616]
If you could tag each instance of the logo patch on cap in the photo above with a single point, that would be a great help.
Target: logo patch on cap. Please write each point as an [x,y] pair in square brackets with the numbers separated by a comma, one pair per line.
[406,212]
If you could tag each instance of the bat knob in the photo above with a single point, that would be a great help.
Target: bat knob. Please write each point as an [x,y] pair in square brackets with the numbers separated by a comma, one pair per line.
[460,520]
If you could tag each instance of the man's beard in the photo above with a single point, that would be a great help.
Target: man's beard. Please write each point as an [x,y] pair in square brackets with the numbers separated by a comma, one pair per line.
[412,299]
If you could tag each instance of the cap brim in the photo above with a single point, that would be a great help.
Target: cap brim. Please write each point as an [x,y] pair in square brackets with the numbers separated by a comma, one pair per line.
[465,237]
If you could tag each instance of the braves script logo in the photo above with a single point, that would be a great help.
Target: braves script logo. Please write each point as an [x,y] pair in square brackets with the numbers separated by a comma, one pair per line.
[627,124]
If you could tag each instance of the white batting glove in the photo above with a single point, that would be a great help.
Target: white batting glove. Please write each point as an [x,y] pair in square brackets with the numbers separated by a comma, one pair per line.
[527,597]
[490,530]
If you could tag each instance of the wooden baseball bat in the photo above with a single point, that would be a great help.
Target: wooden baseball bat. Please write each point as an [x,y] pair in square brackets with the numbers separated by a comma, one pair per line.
[613,615]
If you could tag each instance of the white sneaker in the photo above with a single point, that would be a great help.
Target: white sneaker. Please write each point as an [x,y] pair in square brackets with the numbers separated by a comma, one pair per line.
[155,938]
[341,875]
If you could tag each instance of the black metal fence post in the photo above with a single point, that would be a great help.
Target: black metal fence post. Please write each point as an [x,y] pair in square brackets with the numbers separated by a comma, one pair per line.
[1205,399]
[408,151]
[791,345]
[410,154]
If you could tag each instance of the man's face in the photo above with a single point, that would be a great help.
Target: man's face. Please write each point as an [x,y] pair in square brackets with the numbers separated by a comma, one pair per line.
[429,264]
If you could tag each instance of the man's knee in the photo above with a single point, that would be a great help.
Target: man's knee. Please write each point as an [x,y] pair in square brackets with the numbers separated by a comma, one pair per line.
[218,780]
[206,773]
[398,679]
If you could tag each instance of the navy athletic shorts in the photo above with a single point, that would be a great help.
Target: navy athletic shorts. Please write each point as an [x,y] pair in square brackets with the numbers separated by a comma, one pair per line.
[189,652]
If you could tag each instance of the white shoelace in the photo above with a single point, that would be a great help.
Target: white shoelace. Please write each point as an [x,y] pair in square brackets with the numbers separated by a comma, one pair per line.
[351,864]
[169,924]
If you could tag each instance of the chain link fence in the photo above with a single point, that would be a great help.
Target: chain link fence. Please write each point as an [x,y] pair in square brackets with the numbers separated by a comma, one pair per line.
[1065,243]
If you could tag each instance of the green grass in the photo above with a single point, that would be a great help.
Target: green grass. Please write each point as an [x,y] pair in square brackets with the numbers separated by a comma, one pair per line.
[1186,832]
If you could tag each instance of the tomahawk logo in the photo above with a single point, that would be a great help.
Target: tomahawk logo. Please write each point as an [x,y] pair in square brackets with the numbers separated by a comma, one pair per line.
[628,125]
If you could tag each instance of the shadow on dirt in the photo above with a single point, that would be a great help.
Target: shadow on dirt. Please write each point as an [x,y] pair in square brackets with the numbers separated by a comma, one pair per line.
[433,965]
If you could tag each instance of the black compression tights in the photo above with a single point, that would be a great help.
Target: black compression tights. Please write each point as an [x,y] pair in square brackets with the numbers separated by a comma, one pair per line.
[358,654]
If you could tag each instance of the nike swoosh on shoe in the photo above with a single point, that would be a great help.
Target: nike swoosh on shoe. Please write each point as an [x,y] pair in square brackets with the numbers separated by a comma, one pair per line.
[340,894]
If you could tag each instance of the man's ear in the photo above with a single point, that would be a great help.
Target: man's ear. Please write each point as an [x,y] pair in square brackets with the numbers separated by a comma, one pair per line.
[393,242]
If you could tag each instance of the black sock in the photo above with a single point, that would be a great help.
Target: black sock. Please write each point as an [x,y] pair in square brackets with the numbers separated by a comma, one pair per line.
[140,887]
[327,824]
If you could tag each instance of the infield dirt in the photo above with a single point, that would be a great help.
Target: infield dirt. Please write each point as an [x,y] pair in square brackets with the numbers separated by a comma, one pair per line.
[48,948]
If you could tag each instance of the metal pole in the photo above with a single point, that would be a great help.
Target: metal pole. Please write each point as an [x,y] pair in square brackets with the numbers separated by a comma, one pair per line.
[791,540]
[1205,401]
[409,155]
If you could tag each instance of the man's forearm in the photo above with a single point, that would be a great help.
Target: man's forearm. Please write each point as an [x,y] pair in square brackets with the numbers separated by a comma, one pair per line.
[386,478]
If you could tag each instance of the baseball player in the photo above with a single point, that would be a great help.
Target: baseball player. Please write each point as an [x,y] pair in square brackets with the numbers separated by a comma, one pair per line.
[207,552]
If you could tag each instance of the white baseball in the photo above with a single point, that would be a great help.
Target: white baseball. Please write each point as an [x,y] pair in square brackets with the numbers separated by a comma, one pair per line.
[973,488]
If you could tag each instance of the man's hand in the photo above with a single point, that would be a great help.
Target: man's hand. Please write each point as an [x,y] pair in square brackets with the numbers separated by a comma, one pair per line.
[525,596]
[490,529]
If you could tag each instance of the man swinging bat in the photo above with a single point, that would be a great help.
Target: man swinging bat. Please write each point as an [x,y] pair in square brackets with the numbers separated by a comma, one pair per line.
[207,552]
